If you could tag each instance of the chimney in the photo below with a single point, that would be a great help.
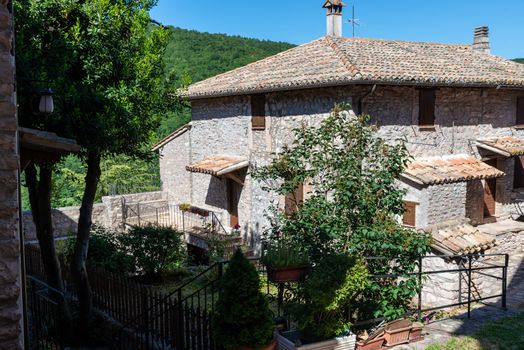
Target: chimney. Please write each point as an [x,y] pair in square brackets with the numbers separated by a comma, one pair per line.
[481,40]
[334,17]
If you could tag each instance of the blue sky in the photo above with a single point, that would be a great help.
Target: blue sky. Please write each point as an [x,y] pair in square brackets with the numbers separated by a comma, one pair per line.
[300,21]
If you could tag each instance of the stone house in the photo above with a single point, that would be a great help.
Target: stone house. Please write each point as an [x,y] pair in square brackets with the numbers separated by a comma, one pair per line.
[459,109]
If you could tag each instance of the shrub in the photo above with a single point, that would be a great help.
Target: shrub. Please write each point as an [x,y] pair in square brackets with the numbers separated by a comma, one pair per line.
[353,204]
[104,251]
[326,295]
[242,316]
[153,249]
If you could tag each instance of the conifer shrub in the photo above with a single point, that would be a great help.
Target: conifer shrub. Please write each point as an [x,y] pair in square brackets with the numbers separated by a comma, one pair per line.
[242,316]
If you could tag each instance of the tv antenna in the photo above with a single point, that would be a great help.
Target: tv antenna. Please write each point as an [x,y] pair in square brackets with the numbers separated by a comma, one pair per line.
[354,21]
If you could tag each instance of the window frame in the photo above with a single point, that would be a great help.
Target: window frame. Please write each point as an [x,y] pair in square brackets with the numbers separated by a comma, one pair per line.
[425,97]
[258,112]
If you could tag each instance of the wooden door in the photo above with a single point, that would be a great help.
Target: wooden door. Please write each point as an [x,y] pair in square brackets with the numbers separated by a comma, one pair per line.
[410,213]
[234,191]
[490,192]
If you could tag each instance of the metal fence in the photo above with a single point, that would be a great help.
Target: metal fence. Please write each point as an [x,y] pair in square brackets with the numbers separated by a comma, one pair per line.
[45,315]
[182,318]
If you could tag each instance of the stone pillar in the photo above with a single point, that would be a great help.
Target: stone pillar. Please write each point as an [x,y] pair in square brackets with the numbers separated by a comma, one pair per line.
[11,333]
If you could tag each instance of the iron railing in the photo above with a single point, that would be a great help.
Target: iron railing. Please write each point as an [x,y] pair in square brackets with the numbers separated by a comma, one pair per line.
[182,318]
[139,214]
[45,316]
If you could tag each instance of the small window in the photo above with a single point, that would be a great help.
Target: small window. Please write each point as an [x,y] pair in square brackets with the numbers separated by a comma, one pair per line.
[410,213]
[293,200]
[426,113]
[520,111]
[258,112]
[518,175]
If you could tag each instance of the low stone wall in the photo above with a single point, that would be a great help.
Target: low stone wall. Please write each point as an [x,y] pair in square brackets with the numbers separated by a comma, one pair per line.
[107,214]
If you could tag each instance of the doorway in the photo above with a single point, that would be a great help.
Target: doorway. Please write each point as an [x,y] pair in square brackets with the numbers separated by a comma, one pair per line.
[490,195]
[234,190]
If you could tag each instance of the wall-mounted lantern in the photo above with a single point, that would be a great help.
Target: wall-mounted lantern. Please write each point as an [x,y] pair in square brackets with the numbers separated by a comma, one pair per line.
[46,104]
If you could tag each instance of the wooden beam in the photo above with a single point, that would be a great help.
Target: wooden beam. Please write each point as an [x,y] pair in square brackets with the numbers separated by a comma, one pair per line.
[235,178]
[28,155]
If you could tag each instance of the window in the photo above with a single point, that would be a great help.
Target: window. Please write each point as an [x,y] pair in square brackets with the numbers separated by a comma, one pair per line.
[520,111]
[410,213]
[258,112]
[518,176]
[426,113]
[293,200]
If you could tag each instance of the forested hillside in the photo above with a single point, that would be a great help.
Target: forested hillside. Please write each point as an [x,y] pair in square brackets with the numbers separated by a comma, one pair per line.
[202,55]
[191,56]
[519,60]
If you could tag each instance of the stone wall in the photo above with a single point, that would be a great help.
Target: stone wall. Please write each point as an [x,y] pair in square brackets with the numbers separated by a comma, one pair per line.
[176,181]
[11,337]
[107,214]
[222,126]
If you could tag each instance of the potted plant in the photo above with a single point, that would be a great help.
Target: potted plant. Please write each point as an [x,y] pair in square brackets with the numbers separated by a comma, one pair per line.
[285,262]
[321,307]
[184,207]
[242,318]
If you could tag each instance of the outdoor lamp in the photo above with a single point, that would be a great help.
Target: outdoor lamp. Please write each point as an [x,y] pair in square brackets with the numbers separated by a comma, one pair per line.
[46,105]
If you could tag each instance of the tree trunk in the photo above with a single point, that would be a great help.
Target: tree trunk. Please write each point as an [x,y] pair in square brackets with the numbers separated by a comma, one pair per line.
[40,200]
[78,266]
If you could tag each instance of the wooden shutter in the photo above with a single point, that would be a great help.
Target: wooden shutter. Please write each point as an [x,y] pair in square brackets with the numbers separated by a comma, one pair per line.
[293,200]
[258,112]
[426,115]
[520,111]
[410,213]
[518,177]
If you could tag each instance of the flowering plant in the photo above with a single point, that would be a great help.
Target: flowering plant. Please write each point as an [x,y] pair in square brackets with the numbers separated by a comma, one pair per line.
[236,230]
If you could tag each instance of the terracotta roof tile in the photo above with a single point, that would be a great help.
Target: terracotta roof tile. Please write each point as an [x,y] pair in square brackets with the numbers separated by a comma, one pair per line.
[218,165]
[331,61]
[507,146]
[463,239]
[449,169]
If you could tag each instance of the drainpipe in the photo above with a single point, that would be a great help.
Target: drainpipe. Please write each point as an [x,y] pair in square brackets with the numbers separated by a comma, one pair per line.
[361,100]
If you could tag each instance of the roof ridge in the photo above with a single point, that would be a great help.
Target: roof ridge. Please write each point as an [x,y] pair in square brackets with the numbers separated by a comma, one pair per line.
[352,69]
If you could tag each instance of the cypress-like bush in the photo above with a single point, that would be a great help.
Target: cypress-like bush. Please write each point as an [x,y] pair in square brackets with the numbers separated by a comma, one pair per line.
[242,317]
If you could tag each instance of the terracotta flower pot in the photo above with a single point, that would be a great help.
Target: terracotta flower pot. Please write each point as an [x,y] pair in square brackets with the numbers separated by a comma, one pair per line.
[270,346]
[288,274]
[374,344]
[397,332]
[415,334]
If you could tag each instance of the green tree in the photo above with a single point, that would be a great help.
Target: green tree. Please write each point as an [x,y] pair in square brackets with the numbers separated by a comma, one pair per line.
[354,202]
[105,61]
[242,316]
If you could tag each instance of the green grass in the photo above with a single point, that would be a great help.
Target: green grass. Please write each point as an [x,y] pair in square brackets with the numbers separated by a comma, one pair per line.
[504,334]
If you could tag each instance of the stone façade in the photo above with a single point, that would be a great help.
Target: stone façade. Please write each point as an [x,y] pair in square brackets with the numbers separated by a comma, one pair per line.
[11,334]
[223,126]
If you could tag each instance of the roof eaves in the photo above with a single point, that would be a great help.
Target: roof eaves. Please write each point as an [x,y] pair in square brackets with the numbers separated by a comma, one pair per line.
[171,137]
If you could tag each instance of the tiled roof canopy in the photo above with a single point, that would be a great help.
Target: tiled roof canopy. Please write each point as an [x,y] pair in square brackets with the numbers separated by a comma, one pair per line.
[218,165]
[463,239]
[332,61]
[432,171]
[506,146]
